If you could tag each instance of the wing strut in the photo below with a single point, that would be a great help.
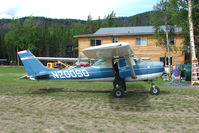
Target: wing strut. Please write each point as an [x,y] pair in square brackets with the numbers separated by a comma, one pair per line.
[131,67]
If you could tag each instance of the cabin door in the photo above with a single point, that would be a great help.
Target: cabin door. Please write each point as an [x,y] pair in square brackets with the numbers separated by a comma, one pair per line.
[126,69]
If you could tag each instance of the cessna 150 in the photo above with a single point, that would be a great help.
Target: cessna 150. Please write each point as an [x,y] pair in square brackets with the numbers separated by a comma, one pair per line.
[116,63]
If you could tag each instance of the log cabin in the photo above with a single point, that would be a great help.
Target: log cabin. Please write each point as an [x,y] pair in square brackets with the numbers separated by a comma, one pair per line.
[141,41]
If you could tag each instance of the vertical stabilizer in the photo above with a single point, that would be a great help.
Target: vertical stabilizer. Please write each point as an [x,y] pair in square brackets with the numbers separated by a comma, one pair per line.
[32,65]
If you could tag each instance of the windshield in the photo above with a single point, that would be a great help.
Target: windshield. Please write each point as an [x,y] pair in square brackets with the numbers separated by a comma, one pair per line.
[137,59]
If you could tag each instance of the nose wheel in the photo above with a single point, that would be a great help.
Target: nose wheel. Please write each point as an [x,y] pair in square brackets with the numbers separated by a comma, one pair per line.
[154,90]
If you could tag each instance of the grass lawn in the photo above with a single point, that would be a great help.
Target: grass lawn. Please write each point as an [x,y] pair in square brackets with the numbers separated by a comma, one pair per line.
[58,106]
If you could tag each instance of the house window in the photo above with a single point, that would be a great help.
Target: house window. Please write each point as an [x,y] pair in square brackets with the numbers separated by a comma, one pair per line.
[69,48]
[140,41]
[171,41]
[115,40]
[95,42]
[165,60]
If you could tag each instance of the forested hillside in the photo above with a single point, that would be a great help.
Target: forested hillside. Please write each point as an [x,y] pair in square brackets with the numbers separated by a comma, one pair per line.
[136,20]
[41,21]
[143,19]
[49,37]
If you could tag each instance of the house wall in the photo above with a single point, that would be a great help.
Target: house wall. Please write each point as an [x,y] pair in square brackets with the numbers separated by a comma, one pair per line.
[150,50]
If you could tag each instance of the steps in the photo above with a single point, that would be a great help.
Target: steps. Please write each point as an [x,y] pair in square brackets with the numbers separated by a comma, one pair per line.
[195,72]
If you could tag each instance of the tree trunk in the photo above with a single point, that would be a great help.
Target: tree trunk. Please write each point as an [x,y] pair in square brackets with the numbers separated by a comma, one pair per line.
[167,39]
[192,44]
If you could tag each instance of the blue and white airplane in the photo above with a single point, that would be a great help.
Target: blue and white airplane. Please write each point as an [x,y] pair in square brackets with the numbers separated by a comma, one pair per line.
[116,63]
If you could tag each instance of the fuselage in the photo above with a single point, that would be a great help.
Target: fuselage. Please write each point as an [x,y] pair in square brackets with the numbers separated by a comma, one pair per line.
[145,70]
[130,69]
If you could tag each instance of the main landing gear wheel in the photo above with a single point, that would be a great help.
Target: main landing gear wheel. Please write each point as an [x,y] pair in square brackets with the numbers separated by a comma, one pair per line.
[155,90]
[118,92]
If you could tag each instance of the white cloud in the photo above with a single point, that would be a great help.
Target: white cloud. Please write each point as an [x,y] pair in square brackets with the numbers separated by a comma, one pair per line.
[68,8]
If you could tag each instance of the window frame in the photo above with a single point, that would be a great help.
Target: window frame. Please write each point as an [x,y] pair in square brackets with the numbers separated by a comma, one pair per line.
[171,41]
[95,42]
[114,40]
[141,41]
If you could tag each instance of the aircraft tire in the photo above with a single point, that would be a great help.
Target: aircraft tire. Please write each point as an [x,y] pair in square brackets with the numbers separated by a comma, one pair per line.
[118,92]
[154,90]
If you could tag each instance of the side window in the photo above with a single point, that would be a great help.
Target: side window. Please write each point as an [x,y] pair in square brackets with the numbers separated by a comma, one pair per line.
[140,41]
[95,42]
[171,40]
[114,40]
[92,42]
[123,63]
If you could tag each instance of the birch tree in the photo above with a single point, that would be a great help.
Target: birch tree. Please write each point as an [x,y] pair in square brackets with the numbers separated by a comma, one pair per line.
[161,17]
[192,44]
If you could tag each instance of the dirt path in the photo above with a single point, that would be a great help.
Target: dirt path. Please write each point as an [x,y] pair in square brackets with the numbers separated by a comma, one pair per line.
[36,114]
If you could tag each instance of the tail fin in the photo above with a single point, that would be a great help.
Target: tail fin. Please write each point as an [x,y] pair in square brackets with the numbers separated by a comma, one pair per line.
[32,65]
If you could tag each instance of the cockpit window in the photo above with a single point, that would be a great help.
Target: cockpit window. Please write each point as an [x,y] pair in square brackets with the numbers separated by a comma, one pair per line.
[123,63]
[137,59]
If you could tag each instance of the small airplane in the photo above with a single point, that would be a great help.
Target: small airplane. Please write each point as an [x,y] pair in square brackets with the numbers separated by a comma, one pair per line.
[116,63]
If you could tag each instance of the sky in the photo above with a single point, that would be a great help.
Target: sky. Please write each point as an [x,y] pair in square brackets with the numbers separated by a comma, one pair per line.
[74,9]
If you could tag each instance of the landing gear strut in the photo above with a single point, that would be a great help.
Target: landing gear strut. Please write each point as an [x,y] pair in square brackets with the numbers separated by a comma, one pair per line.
[119,87]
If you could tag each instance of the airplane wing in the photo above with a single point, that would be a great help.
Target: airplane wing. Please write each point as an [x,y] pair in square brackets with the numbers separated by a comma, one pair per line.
[112,51]
[109,51]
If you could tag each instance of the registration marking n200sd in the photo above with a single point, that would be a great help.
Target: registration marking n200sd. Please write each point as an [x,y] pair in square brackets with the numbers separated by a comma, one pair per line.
[70,74]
